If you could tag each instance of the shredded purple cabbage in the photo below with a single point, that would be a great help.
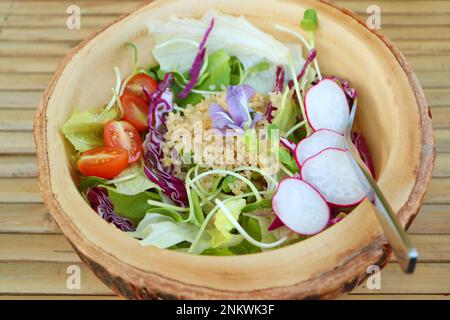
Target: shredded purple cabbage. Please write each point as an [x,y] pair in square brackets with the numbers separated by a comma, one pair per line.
[350,92]
[161,103]
[287,144]
[312,55]
[197,65]
[361,145]
[277,88]
[99,201]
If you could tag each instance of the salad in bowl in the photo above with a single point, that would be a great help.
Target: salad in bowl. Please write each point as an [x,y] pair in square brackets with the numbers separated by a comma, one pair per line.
[230,143]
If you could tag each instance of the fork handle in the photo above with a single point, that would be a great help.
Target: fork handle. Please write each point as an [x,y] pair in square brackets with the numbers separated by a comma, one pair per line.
[398,239]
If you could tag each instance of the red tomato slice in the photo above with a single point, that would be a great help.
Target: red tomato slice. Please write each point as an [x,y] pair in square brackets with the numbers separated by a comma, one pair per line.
[104,162]
[138,83]
[124,135]
[135,111]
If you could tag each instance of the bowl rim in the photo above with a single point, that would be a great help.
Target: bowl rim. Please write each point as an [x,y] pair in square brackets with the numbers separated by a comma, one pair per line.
[319,287]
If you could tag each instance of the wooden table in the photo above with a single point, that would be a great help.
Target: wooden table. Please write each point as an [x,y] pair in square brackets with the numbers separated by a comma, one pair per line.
[34,256]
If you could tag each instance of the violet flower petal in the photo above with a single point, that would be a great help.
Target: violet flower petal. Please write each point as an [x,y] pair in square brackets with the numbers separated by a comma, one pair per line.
[238,103]
[219,117]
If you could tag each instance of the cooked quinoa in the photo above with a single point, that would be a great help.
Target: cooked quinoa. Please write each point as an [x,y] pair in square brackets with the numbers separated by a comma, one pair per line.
[190,138]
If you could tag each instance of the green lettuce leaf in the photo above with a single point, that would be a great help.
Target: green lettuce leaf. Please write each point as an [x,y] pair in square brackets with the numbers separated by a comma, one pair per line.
[132,207]
[286,115]
[164,232]
[89,182]
[221,227]
[85,130]
[218,71]
[138,184]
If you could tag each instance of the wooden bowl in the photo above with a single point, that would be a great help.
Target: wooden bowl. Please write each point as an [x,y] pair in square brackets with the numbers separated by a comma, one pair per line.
[393,115]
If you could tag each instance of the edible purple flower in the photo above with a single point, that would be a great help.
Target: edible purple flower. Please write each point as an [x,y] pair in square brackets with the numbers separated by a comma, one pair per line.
[197,65]
[239,117]
[99,201]
[161,103]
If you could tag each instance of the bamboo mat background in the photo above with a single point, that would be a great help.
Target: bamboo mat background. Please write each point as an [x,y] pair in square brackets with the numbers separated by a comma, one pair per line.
[34,255]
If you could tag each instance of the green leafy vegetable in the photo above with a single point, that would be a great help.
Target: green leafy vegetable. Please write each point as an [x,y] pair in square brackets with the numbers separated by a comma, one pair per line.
[218,252]
[253,229]
[198,212]
[137,183]
[260,67]
[164,232]
[264,204]
[218,70]
[286,113]
[226,183]
[237,71]
[85,130]
[89,182]
[221,227]
[167,212]
[132,207]
[288,160]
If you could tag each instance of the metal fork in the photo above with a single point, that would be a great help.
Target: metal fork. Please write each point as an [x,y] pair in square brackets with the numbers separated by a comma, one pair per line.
[398,239]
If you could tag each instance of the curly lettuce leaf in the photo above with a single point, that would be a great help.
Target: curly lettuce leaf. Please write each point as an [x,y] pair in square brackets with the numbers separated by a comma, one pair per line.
[85,129]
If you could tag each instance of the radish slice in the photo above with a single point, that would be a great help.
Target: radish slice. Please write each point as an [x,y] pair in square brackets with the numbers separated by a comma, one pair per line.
[300,207]
[331,173]
[318,141]
[327,107]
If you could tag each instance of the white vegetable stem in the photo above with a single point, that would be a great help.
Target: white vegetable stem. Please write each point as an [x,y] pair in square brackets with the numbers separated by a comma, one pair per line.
[244,233]
[116,90]
[299,94]
[177,40]
[211,215]
[166,205]
[231,173]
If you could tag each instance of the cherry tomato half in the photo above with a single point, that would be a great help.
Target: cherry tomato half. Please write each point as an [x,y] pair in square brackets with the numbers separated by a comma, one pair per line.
[124,135]
[135,111]
[104,162]
[138,83]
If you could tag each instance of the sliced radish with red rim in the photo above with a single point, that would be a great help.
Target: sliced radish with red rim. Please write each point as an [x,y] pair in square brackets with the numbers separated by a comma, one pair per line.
[300,207]
[332,173]
[317,142]
[327,107]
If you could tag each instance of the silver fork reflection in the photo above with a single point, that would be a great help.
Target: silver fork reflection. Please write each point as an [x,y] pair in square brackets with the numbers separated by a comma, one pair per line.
[398,239]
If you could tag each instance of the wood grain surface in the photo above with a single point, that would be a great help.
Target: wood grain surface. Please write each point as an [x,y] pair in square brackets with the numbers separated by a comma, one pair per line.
[34,256]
